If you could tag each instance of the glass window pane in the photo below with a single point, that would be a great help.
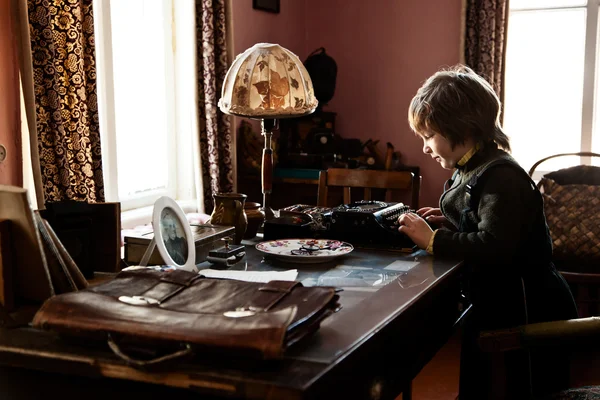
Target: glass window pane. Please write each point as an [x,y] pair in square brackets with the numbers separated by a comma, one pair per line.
[544,84]
[596,123]
[138,45]
[519,4]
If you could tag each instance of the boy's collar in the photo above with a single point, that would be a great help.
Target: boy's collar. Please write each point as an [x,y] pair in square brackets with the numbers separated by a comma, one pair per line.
[461,163]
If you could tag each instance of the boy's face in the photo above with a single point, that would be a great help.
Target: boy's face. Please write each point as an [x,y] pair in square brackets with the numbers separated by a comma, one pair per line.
[439,148]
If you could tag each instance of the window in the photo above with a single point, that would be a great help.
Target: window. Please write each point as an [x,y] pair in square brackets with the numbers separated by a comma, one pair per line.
[550,73]
[145,98]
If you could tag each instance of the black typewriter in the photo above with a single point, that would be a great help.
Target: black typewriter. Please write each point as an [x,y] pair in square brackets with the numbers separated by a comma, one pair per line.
[369,224]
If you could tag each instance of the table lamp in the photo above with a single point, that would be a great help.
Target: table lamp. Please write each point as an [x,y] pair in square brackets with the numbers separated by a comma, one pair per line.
[267,82]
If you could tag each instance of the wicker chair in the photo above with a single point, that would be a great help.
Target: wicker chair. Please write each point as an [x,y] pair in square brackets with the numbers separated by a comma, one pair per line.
[578,337]
[582,274]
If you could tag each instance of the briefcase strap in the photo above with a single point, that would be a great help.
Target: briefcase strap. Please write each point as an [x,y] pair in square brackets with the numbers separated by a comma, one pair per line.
[170,284]
[264,299]
[180,277]
[270,294]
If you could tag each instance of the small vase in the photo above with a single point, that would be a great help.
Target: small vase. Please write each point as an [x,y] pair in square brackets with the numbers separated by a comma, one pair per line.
[229,210]
[255,216]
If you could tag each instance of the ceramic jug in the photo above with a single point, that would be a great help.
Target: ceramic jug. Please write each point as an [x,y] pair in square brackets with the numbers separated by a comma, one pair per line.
[229,210]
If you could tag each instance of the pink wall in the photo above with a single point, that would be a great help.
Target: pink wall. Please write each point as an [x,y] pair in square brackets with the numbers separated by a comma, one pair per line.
[10,120]
[384,50]
[288,28]
[250,26]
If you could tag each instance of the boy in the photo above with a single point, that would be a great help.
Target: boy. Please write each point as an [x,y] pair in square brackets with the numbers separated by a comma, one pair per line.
[494,221]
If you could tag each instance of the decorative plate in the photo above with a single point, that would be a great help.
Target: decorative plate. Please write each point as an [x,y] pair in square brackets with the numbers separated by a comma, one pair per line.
[305,250]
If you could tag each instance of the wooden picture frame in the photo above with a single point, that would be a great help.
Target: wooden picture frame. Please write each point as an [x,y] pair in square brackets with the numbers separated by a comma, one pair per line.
[173,235]
[90,232]
[271,6]
[24,274]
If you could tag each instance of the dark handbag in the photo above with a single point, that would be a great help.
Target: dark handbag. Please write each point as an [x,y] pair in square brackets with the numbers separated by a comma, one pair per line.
[572,208]
[185,313]
[322,69]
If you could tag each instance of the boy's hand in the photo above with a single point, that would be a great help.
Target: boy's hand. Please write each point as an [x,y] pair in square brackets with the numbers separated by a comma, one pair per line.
[415,228]
[433,216]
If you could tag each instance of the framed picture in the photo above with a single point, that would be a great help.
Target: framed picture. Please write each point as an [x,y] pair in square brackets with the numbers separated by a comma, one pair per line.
[266,5]
[173,235]
[24,277]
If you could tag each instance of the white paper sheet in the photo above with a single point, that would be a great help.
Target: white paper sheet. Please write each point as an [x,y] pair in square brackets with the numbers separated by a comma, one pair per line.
[252,276]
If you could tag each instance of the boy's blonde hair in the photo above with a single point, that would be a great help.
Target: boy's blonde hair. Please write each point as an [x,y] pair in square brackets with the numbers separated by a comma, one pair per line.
[458,104]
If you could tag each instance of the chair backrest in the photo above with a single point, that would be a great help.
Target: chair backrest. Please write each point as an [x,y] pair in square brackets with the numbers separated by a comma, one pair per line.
[368,179]
[580,154]
[572,214]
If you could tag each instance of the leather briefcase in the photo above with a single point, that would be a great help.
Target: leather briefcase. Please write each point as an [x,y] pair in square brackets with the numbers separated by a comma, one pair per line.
[177,309]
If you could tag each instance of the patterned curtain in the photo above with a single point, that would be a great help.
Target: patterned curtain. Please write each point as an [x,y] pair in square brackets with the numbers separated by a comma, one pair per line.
[64,71]
[485,40]
[214,127]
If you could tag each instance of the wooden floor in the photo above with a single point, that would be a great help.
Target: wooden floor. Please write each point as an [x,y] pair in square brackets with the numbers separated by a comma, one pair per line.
[439,379]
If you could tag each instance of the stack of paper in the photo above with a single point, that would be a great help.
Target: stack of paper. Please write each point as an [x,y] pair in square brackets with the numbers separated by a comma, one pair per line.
[252,276]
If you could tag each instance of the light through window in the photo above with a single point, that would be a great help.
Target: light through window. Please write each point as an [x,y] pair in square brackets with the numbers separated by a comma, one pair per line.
[146,100]
[549,81]
[141,57]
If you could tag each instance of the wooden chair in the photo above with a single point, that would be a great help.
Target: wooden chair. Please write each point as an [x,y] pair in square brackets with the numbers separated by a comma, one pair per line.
[367,180]
[578,337]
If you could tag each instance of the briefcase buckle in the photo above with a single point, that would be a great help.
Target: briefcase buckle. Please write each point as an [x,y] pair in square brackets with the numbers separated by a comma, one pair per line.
[240,312]
[138,300]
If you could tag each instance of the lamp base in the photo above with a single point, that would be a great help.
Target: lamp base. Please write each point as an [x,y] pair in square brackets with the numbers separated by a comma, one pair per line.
[269,213]
[267,167]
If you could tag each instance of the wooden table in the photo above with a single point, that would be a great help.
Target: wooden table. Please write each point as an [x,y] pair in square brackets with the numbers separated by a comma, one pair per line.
[390,326]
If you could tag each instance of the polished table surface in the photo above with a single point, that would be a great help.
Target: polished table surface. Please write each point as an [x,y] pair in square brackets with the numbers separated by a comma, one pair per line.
[398,309]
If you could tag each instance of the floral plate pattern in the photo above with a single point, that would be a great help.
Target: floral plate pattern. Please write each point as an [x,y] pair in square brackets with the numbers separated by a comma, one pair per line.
[305,250]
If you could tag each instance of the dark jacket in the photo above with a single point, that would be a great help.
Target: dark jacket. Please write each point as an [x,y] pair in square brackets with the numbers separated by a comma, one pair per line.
[502,235]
